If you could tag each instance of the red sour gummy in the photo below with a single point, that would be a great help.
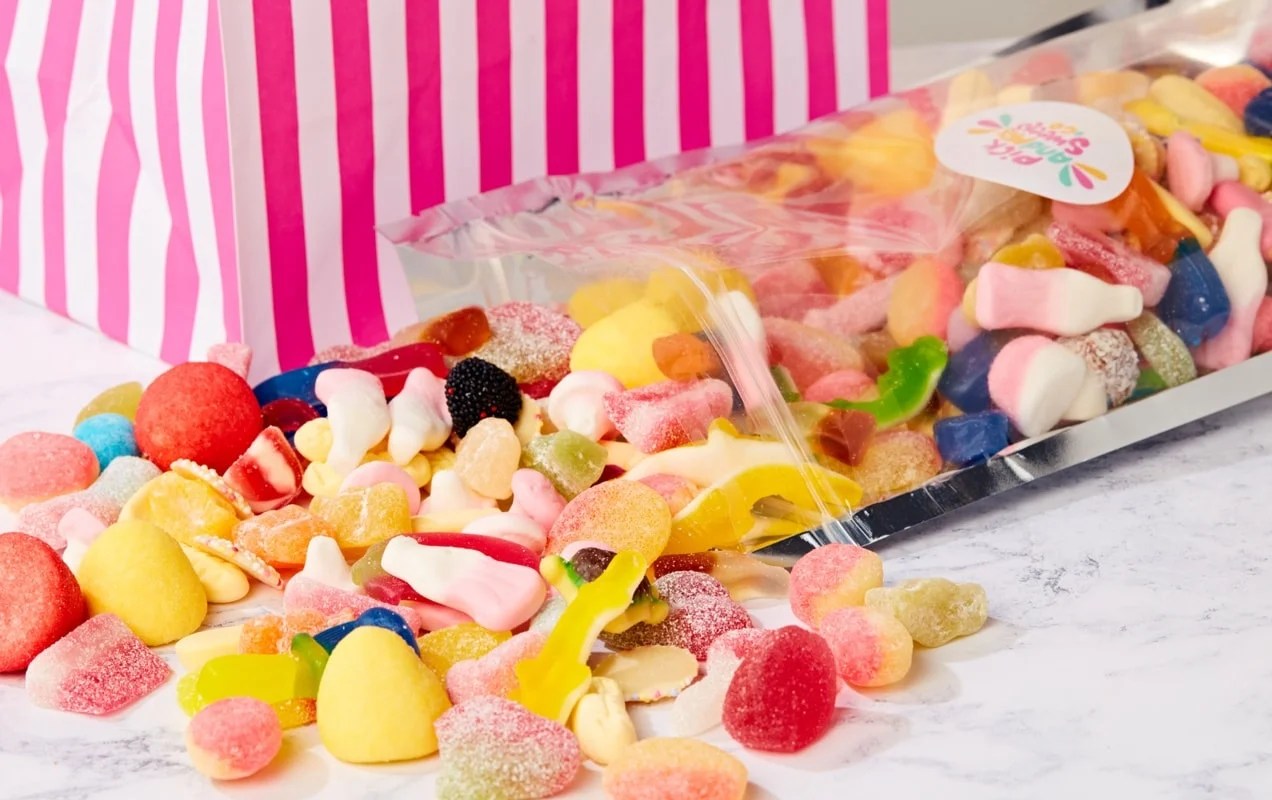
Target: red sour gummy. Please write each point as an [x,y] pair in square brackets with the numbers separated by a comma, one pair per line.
[392,366]
[202,412]
[40,601]
[498,549]
[786,715]
[288,414]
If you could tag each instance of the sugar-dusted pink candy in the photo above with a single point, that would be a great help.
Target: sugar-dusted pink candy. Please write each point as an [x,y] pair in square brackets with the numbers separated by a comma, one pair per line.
[493,673]
[491,747]
[42,519]
[677,491]
[1235,85]
[862,311]
[844,384]
[35,466]
[40,600]
[529,341]
[1231,195]
[668,414]
[790,289]
[1090,249]
[234,738]
[688,585]
[782,698]
[737,644]
[808,353]
[871,647]
[234,356]
[98,668]
[831,577]
[1189,169]
[303,592]
[701,612]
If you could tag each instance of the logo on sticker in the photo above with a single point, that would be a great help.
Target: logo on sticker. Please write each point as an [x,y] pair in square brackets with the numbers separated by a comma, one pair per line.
[1060,151]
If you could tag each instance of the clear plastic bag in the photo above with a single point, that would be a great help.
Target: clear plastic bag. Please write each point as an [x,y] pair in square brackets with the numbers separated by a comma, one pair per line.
[825,272]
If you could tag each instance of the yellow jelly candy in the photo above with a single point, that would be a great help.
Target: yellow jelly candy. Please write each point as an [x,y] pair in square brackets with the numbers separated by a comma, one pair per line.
[377,702]
[313,439]
[1254,172]
[686,289]
[188,694]
[622,344]
[1035,252]
[269,678]
[138,573]
[594,301]
[1219,140]
[199,648]
[1117,86]
[420,469]
[1159,120]
[968,92]
[183,508]
[1184,217]
[440,459]
[321,480]
[1014,93]
[551,683]
[724,451]
[222,581]
[122,399]
[443,649]
[1190,102]
[362,517]
[723,513]
[888,156]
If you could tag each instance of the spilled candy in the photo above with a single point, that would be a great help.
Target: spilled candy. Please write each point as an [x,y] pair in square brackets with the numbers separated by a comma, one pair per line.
[933,610]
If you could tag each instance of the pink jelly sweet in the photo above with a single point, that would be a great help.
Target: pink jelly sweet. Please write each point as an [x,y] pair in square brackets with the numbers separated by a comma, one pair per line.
[739,644]
[922,299]
[790,289]
[831,577]
[303,592]
[786,715]
[846,384]
[234,738]
[1088,250]
[35,466]
[862,311]
[98,668]
[493,673]
[40,601]
[529,341]
[42,520]
[808,353]
[668,414]
[1263,327]
[1230,195]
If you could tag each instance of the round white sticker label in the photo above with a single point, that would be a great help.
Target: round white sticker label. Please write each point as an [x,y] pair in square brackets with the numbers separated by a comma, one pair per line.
[1061,151]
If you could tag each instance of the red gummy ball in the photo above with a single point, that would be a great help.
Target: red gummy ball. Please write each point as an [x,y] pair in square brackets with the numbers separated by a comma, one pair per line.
[203,412]
[40,601]
[763,712]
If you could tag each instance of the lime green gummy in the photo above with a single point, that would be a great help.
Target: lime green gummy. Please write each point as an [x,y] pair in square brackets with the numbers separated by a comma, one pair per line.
[270,678]
[908,385]
[312,655]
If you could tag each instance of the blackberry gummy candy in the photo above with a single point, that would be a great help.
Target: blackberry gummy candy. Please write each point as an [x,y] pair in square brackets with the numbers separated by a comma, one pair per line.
[476,389]
[787,715]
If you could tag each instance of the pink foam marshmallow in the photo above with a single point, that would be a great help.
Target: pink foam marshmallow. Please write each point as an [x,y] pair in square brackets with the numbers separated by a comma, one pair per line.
[1189,169]
[303,592]
[1245,278]
[1231,195]
[1034,381]
[1064,302]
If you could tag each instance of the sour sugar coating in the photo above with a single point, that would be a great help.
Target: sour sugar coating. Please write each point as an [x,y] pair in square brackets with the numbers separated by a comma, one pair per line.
[362,517]
[234,738]
[659,768]
[1110,354]
[1064,302]
[807,352]
[447,647]
[109,435]
[281,538]
[677,491]
[42,520]
[36,466]
[487,457]
[570,461]
[1088,250]
[202,412]
[831,577]
[862,311]
[668,414]
[98,668]
[622,514]
[922,299]
[871,647]
[1164,351]
[492,674]
[121,480]
[529,341]
[495,749]
[701,612]
[273,633]
[1229,196]
[896,461]
[786,715]
[303,592]
[1034,380]
[933,610]
[41,600]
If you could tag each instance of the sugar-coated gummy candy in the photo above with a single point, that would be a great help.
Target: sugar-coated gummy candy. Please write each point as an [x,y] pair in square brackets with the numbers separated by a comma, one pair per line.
[41,598]
[137,572]
[445,648]
[35,466]
[487,457]
[273,633]
[785,715]
[121,399]
[922,299]
[531,342]
[737,644]
[742,575]
[457,332]
[304,592]
[622,514]
[268,474]
[234,356]
[844,384]
[121,480]
[1164,351]
[658,768]
[831,577]
[495,749]
[329,638]
[203,412]
[807,352]
[98,668]
[668,414]
[281,537]
[376,471]
[43,520]
[871,647]
[700,612]
[933,610]
[362,517]
[971,438]
[790,288]
[377,701]
[895,461]
[233,738]
[570,461]
[491,673]
[183,508]
[109,435]
[677,491]
[1110,354]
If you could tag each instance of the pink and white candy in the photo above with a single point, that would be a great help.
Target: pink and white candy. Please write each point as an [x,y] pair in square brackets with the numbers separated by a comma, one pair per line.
[534,496]
[1064,302]
[420,419]
[448,492]
[325,564]
[1231,195]
[358,413]
[510,527]
[1034,381]
[1241,268]
[375,472]
[577,403]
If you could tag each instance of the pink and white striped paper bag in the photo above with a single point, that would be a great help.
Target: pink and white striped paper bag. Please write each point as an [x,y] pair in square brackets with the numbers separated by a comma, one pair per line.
[179,174]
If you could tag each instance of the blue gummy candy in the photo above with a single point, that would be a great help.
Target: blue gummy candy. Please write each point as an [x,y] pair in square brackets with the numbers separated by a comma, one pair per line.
[109,436]
[1258,114]
[377,617]
[971,438]
[1195,305]
[297,383]
[965,381]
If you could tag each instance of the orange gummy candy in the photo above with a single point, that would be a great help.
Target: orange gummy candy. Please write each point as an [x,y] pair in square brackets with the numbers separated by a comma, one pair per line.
[685,357]
[1149,226]
[272,633]
[894,462]
[842,273]
[281,537]
[458,333]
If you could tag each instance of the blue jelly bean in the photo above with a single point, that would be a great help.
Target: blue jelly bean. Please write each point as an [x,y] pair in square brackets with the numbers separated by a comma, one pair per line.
[109,436]
[1195,305]
[1258,114]
[965,381]
[971,438]
[376,617]
[298,383]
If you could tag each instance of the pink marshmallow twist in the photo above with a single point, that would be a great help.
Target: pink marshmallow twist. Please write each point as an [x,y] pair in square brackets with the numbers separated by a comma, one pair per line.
[1231,195]
[1034,381]
[1241,268]
[1064,302]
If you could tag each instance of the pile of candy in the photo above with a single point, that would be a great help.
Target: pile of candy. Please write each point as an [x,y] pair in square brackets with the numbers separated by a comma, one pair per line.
[464,569]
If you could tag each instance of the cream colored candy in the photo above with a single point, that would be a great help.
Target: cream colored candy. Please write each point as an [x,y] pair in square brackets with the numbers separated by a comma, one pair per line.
[1187,99]
[325,563]
[420,418]
[358,412]
[447,492]
[74,554]
[313,439]
[1015,93]
[201,647]
[251,563]
[529,421]
[449,521]
[1254,172]
[969,91]
[650,673]
[321,480]
[222,581]
[601,722]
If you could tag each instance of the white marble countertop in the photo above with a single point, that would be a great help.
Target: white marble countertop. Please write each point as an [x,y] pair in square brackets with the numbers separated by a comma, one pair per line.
[1126,656]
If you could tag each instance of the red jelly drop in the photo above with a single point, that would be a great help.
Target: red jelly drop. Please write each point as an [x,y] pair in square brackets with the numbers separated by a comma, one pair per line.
[392,590]
[787,715]
[497,549]
[393,366]
[288,414]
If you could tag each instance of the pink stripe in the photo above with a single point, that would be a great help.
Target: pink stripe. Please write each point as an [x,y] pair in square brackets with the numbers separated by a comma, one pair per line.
[424,114]
[877,41]
[181,274]
[280,156]
[561,43]
[117,185]
[55,89]
[757,68]
[355,138]
[819,31]
[629,82]
[217,144]
[10,160]
[494,93]
[695,75]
